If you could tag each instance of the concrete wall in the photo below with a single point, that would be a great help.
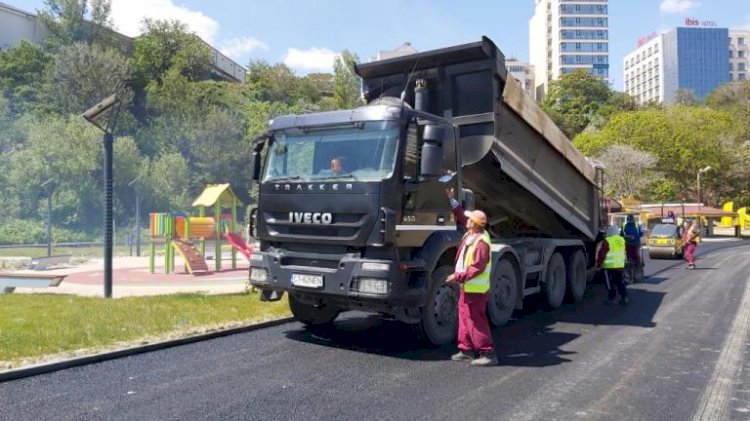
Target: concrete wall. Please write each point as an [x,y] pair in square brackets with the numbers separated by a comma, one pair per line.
[17,25]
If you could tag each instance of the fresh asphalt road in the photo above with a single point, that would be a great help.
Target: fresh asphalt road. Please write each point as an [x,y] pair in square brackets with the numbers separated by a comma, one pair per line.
[679,351]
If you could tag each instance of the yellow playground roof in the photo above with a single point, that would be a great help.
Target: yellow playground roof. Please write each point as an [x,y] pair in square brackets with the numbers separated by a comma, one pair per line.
[221,193]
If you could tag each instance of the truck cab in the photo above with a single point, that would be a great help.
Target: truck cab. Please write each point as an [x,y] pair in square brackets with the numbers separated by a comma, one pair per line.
[348,202]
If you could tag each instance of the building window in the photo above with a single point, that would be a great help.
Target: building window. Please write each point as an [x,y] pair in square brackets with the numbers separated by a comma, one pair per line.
[740,76]
[740,41]
[731,54]
[741,67]
[740,54]
[731,66]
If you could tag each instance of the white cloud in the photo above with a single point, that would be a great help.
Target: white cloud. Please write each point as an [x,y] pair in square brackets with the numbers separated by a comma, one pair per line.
[128,15]
[677,6]
[310,60]
[239,48]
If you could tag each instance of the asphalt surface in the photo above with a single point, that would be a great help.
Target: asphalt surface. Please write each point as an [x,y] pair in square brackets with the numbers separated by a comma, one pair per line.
[679,351]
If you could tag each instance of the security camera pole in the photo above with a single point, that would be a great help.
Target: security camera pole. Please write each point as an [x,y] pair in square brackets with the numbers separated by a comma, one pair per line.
[104,116]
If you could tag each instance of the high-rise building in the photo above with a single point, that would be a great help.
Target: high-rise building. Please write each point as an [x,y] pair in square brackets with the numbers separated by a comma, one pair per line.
[739,54]
[523,72]
[565,35]
[694,60]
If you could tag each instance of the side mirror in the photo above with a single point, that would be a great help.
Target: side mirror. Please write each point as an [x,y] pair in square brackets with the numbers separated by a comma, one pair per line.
[259,142]
[432,160]
[256,166]
[432,151]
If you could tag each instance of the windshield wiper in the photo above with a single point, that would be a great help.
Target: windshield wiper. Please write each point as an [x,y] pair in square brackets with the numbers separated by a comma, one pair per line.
[330,177]
[285,178]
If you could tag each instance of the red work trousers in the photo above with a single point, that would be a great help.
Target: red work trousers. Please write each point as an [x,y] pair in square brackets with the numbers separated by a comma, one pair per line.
[690,253]
[474,332]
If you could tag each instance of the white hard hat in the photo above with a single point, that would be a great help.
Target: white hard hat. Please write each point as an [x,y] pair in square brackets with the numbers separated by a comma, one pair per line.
[613,230]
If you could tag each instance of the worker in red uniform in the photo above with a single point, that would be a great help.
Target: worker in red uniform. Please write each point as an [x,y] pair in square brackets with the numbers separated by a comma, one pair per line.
[472,274]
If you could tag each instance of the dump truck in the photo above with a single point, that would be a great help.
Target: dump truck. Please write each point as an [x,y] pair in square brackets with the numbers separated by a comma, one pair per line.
[380,236]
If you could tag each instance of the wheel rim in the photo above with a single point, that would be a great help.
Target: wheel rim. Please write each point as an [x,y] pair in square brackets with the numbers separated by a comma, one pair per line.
[445,308]
[578,281]
[503,295]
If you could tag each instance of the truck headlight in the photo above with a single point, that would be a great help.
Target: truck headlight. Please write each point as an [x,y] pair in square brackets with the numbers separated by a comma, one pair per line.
[372,286]
[258,275]
[375,266]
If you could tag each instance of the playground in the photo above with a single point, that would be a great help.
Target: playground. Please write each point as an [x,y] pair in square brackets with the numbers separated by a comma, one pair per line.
[185,235]
[187,253]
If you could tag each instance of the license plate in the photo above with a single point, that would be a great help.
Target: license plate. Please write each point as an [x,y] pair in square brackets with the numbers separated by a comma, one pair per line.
[662,241]
[307,281]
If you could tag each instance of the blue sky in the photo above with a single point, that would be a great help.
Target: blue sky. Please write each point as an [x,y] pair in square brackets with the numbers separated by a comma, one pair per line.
[306,34]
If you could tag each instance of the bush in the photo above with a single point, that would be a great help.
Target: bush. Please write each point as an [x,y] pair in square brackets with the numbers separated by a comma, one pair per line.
[28,231]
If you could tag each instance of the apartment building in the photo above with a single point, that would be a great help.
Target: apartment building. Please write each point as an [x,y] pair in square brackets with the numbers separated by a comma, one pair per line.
[565,35]
[690,59]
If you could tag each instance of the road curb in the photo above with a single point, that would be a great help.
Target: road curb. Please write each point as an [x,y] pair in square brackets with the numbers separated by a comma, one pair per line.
[44,368]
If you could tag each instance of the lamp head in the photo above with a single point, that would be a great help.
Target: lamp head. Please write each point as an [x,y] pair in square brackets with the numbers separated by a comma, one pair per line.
[96,114]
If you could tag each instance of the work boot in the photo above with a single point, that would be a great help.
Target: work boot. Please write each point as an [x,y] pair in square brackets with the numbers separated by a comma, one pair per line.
[462,356]
[624,301]
[485,360]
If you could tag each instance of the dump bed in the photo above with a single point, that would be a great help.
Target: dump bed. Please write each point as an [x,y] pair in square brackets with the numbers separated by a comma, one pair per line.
[522,169]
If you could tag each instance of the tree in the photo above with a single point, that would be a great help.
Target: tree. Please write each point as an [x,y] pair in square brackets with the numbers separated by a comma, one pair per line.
[273,83]
[83,75]
[346,82]
[628,170]
[574,99]
[682,138]
[169,45]
[66,151]
[72,21]
[685,97]
[22,70]
[735,98]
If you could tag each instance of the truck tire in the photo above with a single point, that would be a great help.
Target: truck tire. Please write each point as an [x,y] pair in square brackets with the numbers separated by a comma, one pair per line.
[310,314]
[577,276]
[555,280]
[503,293]
[439,317]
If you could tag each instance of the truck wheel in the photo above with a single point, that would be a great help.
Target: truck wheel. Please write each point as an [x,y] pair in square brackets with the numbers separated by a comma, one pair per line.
[503,293]
[439,317]
[310,314]
[577,276]
[555,280]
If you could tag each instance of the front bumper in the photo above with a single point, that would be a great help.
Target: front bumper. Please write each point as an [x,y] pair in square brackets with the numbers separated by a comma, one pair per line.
[343,279]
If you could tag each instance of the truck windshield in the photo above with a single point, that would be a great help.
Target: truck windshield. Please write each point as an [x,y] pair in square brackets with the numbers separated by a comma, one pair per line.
[364,151]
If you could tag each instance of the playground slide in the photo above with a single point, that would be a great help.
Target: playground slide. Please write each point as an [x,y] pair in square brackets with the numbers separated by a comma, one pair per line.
[191,255]
[237,242]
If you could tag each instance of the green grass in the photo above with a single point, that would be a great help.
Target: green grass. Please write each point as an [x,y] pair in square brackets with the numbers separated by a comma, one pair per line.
[38,327]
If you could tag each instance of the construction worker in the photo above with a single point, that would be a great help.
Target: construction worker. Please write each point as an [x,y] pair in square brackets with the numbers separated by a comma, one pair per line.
[611,257]
[690,239]
[472,274]
[632,233]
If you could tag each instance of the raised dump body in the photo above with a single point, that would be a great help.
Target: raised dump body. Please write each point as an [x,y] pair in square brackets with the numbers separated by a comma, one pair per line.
[522,169]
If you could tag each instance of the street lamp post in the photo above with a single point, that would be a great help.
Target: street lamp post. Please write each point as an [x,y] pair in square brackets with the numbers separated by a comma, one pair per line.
[137,189]
[50,189]
[104,116]
[698,179]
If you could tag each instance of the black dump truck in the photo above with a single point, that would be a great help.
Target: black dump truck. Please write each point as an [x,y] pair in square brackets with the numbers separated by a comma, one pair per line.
[375,232]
